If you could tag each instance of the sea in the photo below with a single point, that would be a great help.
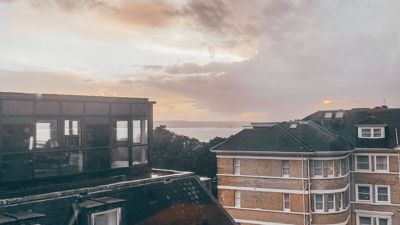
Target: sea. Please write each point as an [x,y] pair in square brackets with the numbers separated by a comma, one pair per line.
[203,130]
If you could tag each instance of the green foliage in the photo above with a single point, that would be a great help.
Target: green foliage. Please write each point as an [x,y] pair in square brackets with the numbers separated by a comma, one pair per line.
[178,152]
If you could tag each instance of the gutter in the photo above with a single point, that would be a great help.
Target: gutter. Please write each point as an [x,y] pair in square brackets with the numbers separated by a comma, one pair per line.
[286,153]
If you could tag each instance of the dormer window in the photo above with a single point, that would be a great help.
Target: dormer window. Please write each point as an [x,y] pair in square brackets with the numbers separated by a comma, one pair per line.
[371,132]
[328,115]
[339,115]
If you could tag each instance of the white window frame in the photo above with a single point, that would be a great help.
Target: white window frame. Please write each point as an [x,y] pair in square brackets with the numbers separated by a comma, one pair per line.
[376,193]
[370,192]
[92,216]
[334,203]
[236,166]
[237,196]
[358,219]
[315,203]
[333,168]
[376,163]
[322,168]
[283,168]
[284,201]
[383,217]
[356,163]
[372,136]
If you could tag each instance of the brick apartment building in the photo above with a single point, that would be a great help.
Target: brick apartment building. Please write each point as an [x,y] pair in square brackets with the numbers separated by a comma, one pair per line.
[338,167]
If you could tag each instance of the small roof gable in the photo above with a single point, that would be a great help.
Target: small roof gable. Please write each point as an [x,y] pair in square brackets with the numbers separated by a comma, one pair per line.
[371,120]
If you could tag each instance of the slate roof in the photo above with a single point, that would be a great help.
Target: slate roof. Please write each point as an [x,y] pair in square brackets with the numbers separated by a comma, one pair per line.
[346,126]
[306,137]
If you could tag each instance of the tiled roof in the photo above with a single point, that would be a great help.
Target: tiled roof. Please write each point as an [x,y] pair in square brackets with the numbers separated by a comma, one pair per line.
[307,136]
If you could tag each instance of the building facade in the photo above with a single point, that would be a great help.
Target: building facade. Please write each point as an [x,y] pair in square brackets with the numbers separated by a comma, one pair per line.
[337,167]
[84,160]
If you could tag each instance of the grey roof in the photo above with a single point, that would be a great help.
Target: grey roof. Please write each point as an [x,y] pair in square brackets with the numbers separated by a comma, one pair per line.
[306,137]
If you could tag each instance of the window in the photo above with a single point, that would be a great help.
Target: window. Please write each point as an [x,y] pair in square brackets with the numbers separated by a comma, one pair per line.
[328,115]
[97,131]
[293,125]
[363,220]
[383,221]
[318,167]
[362,162]
[120,132]
[109,217]
[328,168]
[139,131]
[339,114]
[237,199]
[363,192]
[236,166]
[344,166]
[319,202]
[381,163]
[139,155]
[120,157]
[371,132]
[46,134]
[17,134]
[382,193]
[346,197]
[286,202]
[285,168]
[340,201]
[331,202]
[72,133]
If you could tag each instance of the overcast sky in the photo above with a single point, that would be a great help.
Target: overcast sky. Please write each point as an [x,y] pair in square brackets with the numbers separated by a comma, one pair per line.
[266,60]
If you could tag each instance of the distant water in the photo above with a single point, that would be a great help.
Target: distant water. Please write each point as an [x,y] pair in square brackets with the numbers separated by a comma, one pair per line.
[205,133]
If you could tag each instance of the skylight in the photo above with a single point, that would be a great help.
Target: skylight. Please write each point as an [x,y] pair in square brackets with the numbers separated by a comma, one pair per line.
[328,115]
[339,115]
[293,125]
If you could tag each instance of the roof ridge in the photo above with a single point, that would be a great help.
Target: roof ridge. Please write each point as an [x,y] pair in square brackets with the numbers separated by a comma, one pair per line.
[294,137]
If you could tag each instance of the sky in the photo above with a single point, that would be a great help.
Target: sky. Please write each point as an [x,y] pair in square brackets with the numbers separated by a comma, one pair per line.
[224,60]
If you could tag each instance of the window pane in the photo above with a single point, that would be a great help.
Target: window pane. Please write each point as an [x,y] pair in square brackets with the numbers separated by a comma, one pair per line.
[120,131]
[363,193]
[236,166]
[365,220]
[72,133]
[71,162]
[139,155]
[366,132]
[16,166]
[285,167]
[331,201]
[377,132]
[46,164]
[120,157]
[97,132]
[46,134]
[363,162]
[319,202]
[17,135]
[286,200]
[137,134]
[318,168]
[97,159]
[106,218]
[381,163]
[383,221]
[328,167]
[383,194]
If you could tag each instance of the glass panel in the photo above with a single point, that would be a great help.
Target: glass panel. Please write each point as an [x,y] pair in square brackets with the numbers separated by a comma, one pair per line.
[137,132]
[319,202]
[286,201]
[46,134]
[378,132]
[328,168]
[381,163]
[120,157]
[120,132]
[46,164]
[97,159]
[383,221]
[363,193]
[363,162]
[365,220]
[72,133]
[285,167]
[366,132]
[17,135]
[383,194]
[18,166]
[71,162]
[106,218]
[318,168]
[139,155]
[97,132]
[331,201]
